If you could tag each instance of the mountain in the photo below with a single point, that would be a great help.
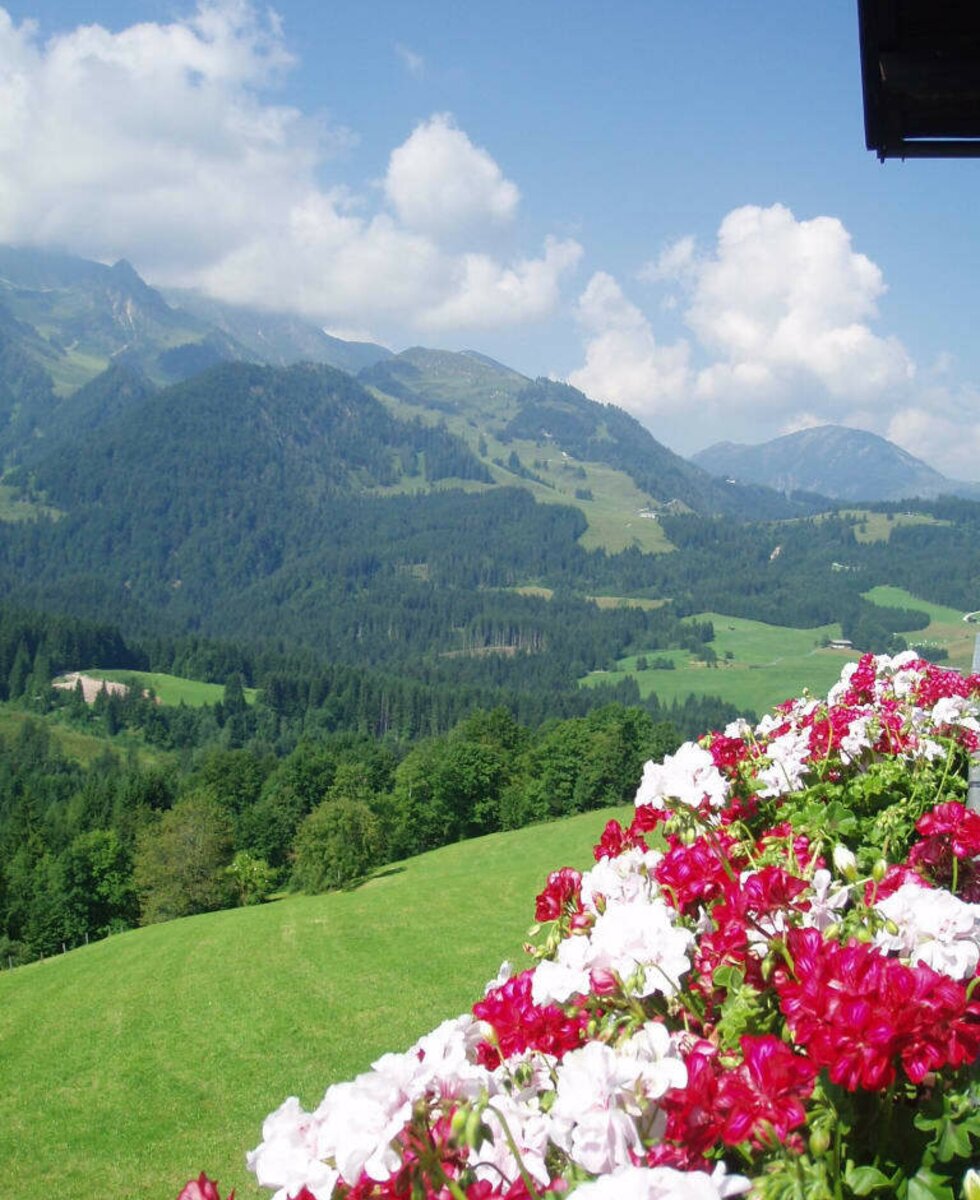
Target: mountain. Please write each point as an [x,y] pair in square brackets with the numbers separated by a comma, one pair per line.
[545,433]
[846,464]
[77,317]
[65,320]
[277,339]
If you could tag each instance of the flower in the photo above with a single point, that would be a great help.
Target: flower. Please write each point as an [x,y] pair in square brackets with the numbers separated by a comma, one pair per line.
[706,993]
[202,1188]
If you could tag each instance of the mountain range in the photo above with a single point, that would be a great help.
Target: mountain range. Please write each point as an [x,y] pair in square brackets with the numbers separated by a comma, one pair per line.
[181,467]
[81,343]
[845,464]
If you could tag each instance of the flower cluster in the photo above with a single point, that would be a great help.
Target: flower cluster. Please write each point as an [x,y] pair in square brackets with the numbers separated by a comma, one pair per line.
[767,982]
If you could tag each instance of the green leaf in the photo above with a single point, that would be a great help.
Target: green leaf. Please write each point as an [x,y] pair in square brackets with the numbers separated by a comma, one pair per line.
[728,977]
[864,1180]
[927,1185]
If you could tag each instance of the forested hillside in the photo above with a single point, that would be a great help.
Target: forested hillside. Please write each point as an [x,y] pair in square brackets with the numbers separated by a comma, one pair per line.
[414,569]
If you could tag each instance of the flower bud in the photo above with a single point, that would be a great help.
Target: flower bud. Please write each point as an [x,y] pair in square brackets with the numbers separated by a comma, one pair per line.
[879,870]
[845,862]
[819,1142]
[971,1184]
[457,1124]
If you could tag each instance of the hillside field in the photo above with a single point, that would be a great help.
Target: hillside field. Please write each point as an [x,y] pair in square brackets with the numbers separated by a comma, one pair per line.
[171,689]
[134,1063]
[769,663]
[946,626]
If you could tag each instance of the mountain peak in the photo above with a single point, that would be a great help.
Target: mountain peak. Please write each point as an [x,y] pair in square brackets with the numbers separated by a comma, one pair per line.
[834,460]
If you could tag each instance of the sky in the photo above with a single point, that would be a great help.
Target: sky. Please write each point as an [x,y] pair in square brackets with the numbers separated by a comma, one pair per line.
[669,205]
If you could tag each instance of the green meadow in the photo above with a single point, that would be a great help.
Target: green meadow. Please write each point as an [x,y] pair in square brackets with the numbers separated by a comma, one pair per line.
[946,627]
[757,666]
[134,1063]
[171,689]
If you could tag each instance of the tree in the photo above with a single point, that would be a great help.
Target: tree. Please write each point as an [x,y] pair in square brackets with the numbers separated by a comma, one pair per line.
[252,877]
[339,841]
[98,885]
[180,861]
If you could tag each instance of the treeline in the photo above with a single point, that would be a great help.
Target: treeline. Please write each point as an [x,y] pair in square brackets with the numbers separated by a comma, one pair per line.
[86,851]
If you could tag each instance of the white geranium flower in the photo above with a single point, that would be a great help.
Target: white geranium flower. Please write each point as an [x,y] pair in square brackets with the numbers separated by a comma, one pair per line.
[857,739]
[528,1126]
[839,689]
[358,1121]
[789,761]
[663,1183]
[689,776]
[587,1122]
[641,937]
[287,1158]
[555,982]
[934,927]
[827,899]
[628,876]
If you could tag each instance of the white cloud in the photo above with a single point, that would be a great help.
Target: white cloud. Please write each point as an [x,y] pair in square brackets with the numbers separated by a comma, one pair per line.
[438,182]
[781,316]
[486,292]
[624,364]
[943,429]
[783,302]
[159,143]
[675,262]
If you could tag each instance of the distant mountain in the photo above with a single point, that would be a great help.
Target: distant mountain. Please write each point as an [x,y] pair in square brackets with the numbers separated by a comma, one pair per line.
[534,419]
[277,339]
[82,345]
[846,464]
[82,316]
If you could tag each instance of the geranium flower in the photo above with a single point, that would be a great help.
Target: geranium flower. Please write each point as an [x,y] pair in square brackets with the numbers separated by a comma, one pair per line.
[202,1188]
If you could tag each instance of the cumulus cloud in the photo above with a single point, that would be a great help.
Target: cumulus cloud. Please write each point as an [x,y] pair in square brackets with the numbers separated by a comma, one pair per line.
[485,292]
[160,143]
[624,364]
[780,316]
[943,429]
[782,301]
[439,182]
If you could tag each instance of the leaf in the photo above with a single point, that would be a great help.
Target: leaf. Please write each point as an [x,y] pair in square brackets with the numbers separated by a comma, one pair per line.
[927,1185]
[728,977]
[864,1180]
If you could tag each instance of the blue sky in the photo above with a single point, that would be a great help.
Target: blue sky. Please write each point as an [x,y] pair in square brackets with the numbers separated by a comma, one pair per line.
[669,205]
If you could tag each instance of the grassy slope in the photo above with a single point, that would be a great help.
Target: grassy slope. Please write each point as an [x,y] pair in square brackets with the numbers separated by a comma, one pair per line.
[171,689]
[773,662]
[131,1064]
[769,664]
[612,514]
[946,626]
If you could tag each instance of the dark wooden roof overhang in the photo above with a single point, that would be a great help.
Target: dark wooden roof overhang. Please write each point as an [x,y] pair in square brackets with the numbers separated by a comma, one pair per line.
[920,68]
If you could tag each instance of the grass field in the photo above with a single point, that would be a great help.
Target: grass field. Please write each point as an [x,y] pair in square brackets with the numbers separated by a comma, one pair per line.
[134,1063]
[768,663]
[946,627]
[171,689]
[876,526]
